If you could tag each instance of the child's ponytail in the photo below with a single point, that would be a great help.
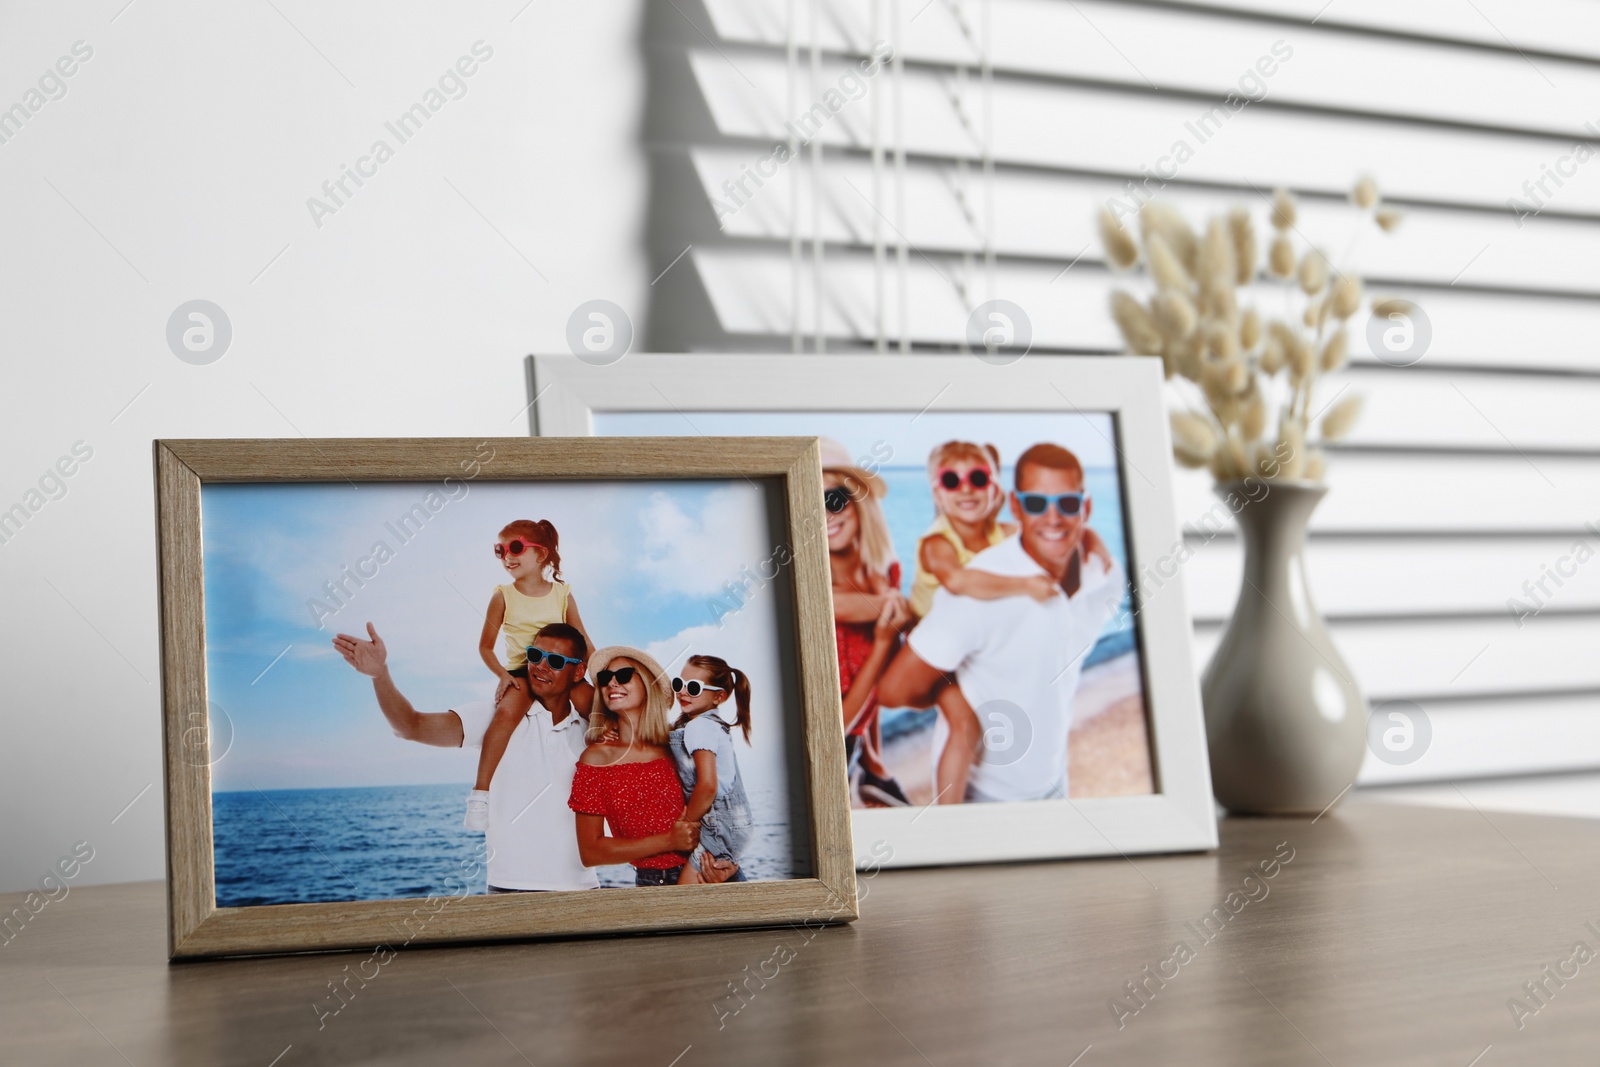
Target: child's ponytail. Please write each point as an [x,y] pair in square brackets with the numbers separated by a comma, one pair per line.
[731,679]
[741,697]
[551,540]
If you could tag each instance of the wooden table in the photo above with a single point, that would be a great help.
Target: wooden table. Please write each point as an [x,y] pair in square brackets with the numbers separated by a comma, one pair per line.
[1395,935]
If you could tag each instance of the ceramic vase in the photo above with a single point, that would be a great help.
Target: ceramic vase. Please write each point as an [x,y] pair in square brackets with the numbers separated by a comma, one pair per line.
[1285,721]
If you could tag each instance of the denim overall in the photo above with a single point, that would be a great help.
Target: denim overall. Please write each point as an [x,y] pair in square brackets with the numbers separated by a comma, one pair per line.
[728,824]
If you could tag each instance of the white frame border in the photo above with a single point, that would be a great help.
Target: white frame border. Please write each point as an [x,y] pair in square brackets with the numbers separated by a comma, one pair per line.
[1182,817]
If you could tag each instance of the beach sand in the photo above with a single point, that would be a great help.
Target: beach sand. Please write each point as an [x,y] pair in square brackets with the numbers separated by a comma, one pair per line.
[1108,750]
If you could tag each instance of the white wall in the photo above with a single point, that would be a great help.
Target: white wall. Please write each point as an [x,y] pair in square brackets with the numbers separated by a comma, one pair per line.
[177,166]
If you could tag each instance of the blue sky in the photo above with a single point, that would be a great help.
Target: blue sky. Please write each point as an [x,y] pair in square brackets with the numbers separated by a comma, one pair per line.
[642,559]
[908,435]
[901,442]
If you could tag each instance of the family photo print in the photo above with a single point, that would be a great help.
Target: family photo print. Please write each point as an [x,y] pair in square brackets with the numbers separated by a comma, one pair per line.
[1006,689]
[476,674]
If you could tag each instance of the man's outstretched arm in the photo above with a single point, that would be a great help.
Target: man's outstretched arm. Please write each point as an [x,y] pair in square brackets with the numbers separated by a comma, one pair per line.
[371,658]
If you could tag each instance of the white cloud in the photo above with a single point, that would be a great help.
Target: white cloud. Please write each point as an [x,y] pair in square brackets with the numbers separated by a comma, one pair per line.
[699,554]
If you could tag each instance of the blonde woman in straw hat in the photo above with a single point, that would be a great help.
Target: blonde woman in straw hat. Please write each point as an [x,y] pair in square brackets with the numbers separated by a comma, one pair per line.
[626,778]
[869,611]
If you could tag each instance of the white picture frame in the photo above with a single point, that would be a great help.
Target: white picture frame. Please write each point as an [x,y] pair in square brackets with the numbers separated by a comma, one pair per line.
[1180,815]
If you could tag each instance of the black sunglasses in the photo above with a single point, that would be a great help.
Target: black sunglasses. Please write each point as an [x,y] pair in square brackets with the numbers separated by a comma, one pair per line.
[1068,504]
[835,499]
[693,687]
[623,675]
[555,661]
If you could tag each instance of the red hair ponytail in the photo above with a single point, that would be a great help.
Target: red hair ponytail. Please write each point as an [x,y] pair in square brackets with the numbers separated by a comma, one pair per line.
[542,533]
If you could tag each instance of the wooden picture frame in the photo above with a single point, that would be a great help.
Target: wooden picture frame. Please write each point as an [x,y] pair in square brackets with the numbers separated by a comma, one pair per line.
[689,391]
[199,928]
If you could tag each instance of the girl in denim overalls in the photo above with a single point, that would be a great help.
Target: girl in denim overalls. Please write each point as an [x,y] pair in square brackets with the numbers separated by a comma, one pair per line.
[701,744]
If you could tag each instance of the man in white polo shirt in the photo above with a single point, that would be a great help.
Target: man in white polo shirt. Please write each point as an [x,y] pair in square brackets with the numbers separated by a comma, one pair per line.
[532,835]
[1017,659]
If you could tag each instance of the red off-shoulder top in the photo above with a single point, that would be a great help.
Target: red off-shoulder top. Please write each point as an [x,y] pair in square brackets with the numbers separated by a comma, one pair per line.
[637,800]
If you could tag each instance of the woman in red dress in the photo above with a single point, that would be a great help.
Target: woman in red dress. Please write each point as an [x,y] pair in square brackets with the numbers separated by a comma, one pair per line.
[869,611]
[626,777]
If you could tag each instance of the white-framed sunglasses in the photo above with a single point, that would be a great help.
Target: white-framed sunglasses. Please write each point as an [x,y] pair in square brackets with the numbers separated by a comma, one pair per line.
[693,688]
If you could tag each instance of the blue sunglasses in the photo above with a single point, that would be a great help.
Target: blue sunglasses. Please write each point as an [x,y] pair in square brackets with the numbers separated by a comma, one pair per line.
[1069,504]
[554,660]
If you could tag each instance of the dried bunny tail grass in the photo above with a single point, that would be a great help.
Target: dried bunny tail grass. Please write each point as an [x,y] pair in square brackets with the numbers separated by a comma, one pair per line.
[1313,313]
[1250,329]
[1229,463]
[1138,326]
[1316,465]
[1284,210]
[1341,419]
[1175,314]
[1365,193]
[1344,299]
[1185,356]
[1291,448]
[1391,306]
[1388,219]
[1164,219]
[1280,256]
[1336,353]
[1236,377]
[1165,267]
[1238,460]
[1221,341]
[1313,272]
[1217,381]
[1194,439]
[1273,356]
[1217,268]
[1253,423]
[1264,459]
[1120,246]
[1220,303]
[1298,354]
[1243,232]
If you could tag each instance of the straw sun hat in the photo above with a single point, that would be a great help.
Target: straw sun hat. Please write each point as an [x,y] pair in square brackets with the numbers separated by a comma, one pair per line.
[836,459]
[658,677]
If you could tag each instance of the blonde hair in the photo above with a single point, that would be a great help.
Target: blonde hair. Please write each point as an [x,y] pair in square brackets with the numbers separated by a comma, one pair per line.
[873,540]
[951,451]
[653,724]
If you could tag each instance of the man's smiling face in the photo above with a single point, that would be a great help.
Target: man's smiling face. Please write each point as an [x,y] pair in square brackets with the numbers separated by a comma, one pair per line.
[1051,537]
[543,681]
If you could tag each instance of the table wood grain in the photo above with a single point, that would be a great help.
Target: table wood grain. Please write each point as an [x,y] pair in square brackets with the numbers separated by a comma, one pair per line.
[1395,935]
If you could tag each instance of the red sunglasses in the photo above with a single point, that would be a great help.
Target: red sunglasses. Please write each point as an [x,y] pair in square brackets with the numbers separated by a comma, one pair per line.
[516,548]
[977,477]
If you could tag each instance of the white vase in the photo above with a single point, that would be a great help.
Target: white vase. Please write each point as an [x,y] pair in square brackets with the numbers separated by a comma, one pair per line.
[1285,721]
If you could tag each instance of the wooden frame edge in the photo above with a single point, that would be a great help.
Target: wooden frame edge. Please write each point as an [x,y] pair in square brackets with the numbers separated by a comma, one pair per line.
[198,929]
[191,893]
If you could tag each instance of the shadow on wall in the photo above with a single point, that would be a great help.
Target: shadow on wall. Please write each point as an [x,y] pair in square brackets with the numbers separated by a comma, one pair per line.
[679,316]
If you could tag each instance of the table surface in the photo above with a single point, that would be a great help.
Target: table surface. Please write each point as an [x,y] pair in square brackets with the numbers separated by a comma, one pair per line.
[1395,934]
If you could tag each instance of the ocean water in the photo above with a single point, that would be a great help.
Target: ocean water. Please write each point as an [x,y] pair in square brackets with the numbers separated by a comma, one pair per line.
[297,846]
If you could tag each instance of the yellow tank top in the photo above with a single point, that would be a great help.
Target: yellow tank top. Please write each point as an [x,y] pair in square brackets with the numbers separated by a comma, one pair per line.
[924,585]
[526,616]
